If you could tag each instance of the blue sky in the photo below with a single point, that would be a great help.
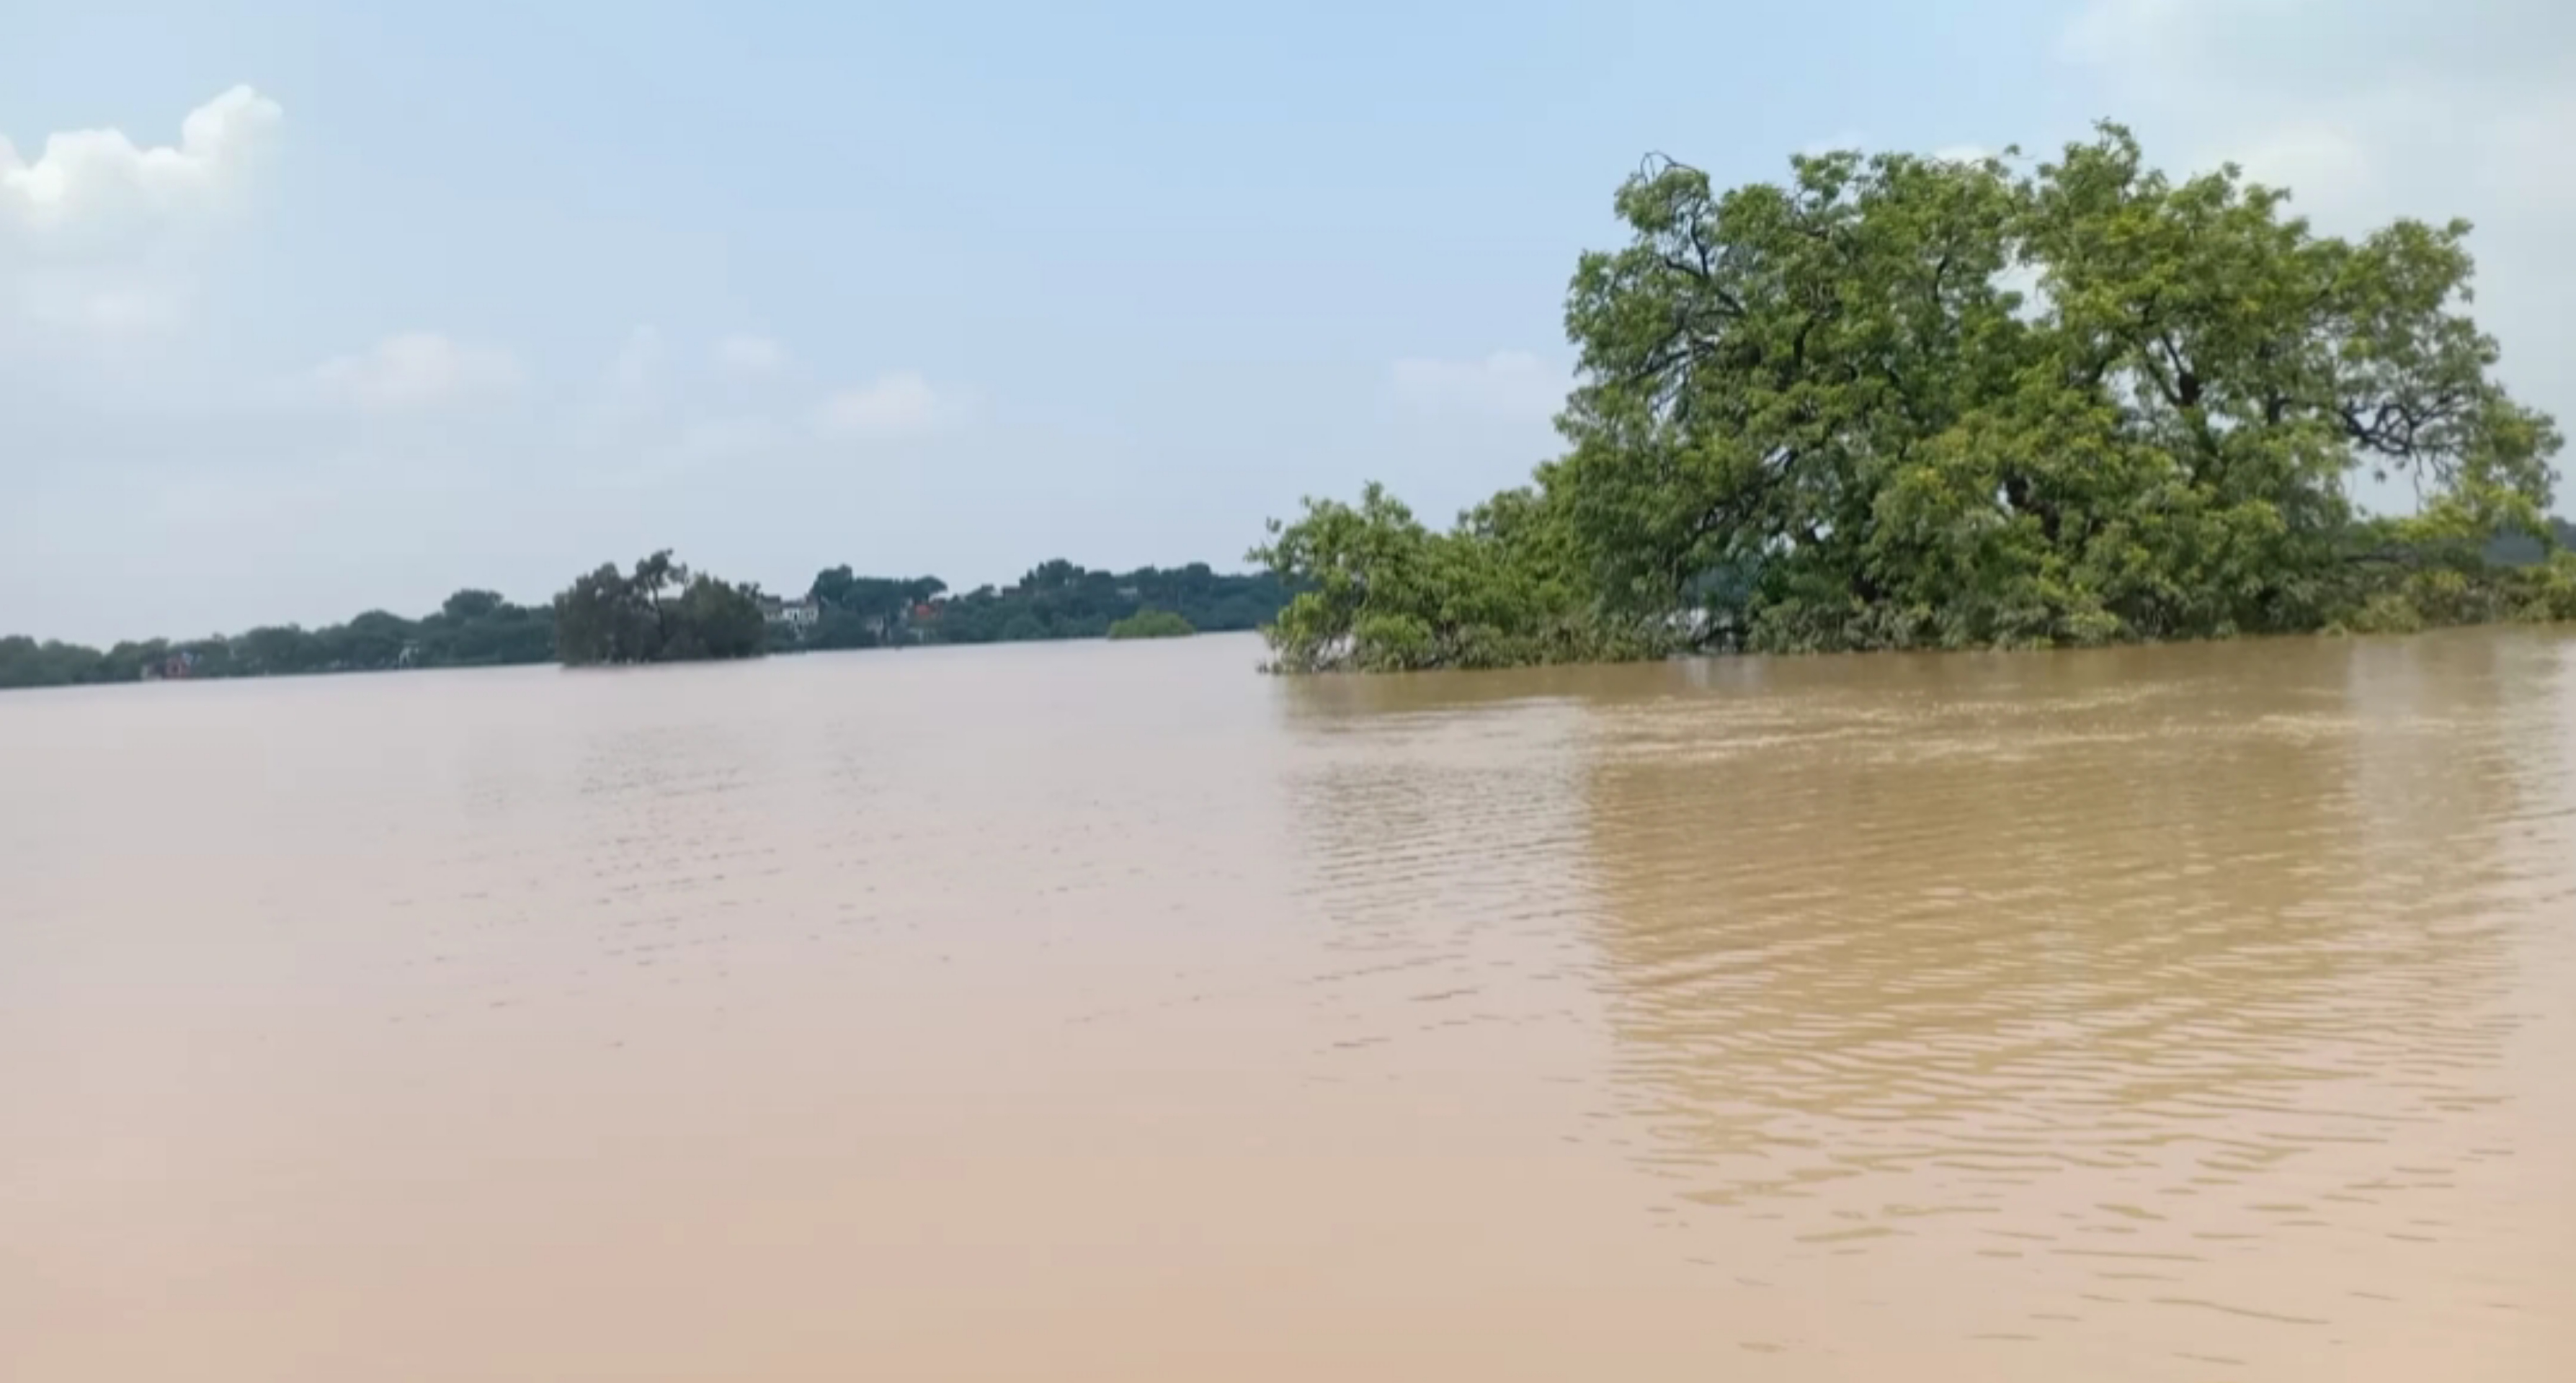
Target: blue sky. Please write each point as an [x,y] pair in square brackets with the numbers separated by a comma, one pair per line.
[485,294]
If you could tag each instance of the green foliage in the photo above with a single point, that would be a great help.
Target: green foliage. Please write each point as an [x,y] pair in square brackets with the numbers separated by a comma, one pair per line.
[1382,593]
[658,613]
[1825,414]
[1151,624]
[1059,600]
[472,629]
[27,663]
[1055,600]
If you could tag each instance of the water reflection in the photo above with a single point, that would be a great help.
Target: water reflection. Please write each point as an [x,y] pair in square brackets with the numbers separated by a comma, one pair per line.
[2071,986]
[2166,913]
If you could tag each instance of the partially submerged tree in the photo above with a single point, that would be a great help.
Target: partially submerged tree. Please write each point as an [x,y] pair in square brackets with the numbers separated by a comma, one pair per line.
[660,612]
[1382,593]
[1900,401]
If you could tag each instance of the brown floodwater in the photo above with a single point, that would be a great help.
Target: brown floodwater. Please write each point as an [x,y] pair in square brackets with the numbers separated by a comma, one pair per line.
[1110,1012]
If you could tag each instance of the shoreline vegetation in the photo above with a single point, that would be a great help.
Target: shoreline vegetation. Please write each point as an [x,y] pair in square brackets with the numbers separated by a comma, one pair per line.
[1891,402]
[661,611]
[1905,402]
[1152,624]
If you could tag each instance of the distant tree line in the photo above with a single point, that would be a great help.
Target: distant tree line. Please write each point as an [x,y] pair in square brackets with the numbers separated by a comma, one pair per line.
[472,629]
[660,611]
[2525,550]
[1054,600]
[1058,600]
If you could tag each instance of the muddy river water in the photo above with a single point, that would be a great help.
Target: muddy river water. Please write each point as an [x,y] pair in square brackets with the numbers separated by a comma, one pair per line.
[1110,1012]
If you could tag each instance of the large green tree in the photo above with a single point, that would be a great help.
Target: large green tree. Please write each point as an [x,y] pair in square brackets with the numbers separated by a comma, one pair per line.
[1900,401]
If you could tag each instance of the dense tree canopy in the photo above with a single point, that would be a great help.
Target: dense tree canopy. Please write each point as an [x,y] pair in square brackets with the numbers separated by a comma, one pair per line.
[658,613]
[1900,401]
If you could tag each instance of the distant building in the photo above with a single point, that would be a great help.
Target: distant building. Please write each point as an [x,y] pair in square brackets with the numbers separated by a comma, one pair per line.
[795,616]
[175,667]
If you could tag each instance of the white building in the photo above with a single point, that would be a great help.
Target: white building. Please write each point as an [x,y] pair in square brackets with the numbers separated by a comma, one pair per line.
[796,616]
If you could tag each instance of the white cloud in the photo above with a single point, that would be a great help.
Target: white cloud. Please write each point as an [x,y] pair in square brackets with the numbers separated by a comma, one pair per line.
[85,177]
[901,404]
[1505,384]
[749,357]
[629,395]
[415,370]
[658,414]
[97,233]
